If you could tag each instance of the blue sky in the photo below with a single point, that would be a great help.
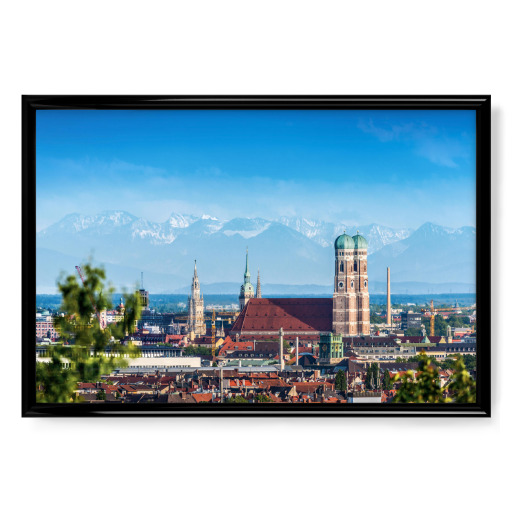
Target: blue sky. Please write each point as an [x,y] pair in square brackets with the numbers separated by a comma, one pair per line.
[397,168]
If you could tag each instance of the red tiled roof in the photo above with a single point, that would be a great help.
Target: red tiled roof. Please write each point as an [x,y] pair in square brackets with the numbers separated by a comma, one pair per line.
[202,397]
[241,345]
[86,385]
[306,315]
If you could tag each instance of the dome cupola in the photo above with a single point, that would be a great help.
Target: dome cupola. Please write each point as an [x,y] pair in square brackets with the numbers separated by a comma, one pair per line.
[360,242]
[344,242]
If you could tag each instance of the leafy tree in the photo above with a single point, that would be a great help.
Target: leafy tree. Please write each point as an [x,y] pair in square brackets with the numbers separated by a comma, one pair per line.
[368,379]
[237,400]
[469,362]
[84,350]
[413,331]
[101,395]
[376,319]
[462,386]
[263,398]
[197,351]
[426,386]
[386,383]
[340,382]
[372,380]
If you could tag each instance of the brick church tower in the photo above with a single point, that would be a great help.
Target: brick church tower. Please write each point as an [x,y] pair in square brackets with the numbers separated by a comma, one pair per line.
[351,299]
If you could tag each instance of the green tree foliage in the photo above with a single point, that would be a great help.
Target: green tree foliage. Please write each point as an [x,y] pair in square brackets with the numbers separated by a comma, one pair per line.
[469,362]
[386,381]
[376,319]
[462,387]
[237,400]
[197,351]
[263,398]
[372,380]
[87,350]
[101,395]
[413,331]
[340,382]
[425,387]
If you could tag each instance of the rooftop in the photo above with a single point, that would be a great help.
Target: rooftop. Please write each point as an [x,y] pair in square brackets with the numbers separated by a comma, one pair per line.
[307,315]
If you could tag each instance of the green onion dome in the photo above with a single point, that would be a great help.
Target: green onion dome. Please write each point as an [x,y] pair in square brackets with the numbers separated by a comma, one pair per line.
[360,242]
[344,242]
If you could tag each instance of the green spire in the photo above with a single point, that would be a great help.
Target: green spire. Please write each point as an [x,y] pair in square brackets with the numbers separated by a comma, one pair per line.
[247,275]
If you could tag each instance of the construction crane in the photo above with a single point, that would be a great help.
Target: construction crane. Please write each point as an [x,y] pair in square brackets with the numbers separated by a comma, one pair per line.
[213,336]
[101,320]
[435,311]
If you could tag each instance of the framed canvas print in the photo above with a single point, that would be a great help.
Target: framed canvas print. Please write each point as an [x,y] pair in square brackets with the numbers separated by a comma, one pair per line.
[283,255]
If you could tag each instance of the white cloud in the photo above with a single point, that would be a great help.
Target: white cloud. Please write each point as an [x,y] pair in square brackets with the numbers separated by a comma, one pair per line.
[424,139]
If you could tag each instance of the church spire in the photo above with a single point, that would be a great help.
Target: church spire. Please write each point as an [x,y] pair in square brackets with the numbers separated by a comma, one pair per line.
[247,275]
[246,290]
[258,286]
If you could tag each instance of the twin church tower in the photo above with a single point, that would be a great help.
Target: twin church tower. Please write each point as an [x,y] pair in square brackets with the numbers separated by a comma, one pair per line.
[350,301]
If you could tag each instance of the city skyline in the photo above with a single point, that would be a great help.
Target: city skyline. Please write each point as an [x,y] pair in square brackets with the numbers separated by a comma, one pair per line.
[397,168]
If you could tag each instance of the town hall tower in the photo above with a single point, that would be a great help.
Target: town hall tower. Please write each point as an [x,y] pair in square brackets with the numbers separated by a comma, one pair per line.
[196,325]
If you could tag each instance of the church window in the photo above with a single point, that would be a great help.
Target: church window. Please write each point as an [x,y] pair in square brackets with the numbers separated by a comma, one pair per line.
[365,284]
[352,284]
[341,266]
[355,266]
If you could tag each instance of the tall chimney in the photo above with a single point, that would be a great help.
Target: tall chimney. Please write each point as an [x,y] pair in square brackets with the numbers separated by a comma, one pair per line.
[297,351]
[388,319]
[281,358]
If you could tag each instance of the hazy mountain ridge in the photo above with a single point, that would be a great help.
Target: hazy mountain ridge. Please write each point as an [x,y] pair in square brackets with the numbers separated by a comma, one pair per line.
[325,233]
[289,251]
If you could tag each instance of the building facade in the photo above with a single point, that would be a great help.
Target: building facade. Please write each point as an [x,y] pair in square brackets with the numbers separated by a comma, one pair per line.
[196,325]
[330,349]
[45,327]
[351,299]
[410,320]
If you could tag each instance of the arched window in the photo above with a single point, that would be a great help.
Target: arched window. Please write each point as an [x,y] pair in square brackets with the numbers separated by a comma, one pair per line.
[341,267]
[355,266]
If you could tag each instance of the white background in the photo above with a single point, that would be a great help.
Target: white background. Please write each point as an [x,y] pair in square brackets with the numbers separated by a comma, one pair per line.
[373,47]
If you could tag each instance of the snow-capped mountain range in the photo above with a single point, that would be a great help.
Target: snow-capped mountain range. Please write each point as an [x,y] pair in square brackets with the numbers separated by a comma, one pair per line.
[288,250]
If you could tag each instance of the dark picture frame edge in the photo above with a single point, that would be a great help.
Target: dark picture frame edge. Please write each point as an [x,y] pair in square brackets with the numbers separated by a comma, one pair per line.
[480,103]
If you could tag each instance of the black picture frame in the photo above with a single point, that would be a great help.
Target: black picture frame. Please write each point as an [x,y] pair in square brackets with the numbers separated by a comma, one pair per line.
[481,104]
